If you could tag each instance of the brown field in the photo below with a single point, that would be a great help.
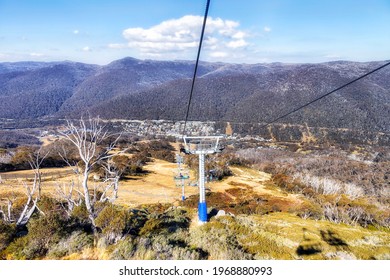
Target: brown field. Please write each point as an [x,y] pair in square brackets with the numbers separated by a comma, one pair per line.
[271,231]
[156,186]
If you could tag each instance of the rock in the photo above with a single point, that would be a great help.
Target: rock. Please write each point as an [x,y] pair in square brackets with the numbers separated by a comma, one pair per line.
[221,213]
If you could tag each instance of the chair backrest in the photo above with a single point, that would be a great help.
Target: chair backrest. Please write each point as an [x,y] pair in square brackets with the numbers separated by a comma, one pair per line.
[202,144]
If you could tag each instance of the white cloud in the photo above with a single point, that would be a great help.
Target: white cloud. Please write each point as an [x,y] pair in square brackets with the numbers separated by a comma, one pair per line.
[34,54]
[333,56]
[87,49]
[179,38]
[117,46]
[267,29]
[237,44]
[76,32]
[239,35]
[219,54]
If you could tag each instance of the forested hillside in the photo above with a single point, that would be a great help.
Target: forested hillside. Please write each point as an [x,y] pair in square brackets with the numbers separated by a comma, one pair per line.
[146,89]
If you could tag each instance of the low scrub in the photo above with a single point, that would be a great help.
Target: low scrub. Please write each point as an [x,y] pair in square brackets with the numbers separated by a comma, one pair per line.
[7,234]
[75,243]
[112,222]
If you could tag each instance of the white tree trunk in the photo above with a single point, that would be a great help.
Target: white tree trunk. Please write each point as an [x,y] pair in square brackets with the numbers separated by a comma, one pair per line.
[87,197]
[86,138]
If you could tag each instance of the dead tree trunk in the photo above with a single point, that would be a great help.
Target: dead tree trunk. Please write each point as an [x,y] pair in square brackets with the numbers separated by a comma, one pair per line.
[87,137]
[33,194]
[35,161]
[89,204]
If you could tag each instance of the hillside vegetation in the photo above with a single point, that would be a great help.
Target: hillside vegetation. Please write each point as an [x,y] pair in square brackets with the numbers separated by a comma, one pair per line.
[306,205]
[146,89]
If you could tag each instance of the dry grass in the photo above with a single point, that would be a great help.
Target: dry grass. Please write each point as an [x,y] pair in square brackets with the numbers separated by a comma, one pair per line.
[278,235]
[246,178]
[323,239]
[156,186]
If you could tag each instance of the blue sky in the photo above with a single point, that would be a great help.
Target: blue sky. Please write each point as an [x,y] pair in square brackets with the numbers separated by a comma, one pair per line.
[238,31]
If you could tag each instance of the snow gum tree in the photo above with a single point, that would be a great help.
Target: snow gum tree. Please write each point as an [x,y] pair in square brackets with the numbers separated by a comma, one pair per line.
[94,148]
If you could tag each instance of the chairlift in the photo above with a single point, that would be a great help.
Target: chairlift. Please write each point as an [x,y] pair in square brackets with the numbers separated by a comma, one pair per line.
[202,146]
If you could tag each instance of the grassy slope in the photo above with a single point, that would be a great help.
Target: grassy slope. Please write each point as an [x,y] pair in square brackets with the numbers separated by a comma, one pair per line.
[286,236]
[279,234]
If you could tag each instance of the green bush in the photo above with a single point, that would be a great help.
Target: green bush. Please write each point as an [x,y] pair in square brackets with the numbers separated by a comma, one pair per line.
[112,221]
[80,214]
[7,233]
[75,243]
[42,234]
[163,248]
[16,250]
[124,249]
[219,240]
[166,155]
[22,156]
[51,206]
[166,223]
[158,247]
[309,209]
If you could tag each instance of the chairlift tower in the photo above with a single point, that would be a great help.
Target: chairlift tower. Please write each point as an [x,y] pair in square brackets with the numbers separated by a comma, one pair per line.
[181,176]
[202,146]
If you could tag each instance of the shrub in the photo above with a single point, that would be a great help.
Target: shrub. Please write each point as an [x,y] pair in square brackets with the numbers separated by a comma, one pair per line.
[163,248]
[15,250]
[152,226]
[135,221]
[159,247]
[75,243]
[42,234]
[219,239]
[51,206]
[218,165]
[112,221]
[160,149]
[80,214]
[309,209]
[283,181]
[22,156]
[7,233]
[124,249]
[163,224]
[164,155]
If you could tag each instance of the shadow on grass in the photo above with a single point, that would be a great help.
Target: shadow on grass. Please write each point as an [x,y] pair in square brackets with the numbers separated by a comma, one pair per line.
[308,246]
[309,249]
[333,239]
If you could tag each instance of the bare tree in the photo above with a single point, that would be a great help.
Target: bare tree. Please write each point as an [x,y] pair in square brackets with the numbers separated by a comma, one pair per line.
[112,174]
[31,204]
[89,137]
[72,196]
[6,215]
[33,194]
[36,159]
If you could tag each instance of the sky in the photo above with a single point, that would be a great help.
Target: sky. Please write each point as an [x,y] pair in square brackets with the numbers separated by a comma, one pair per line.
[237,31]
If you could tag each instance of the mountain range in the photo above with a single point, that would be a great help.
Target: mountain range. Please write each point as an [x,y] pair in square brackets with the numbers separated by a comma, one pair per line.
[146,89]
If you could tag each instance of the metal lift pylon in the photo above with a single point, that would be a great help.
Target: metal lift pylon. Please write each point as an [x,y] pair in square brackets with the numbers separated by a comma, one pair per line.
[181,176]
[202,146]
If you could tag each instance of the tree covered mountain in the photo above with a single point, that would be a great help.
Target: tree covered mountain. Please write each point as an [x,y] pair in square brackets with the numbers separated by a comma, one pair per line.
[145,89]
